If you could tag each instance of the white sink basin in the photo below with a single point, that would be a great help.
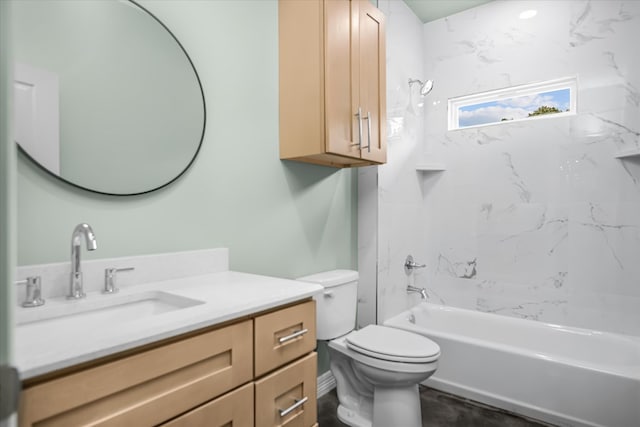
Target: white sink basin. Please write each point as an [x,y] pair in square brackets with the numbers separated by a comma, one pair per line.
[102,309]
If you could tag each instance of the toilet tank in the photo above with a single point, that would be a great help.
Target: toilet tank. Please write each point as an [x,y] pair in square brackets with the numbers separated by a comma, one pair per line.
[336,306]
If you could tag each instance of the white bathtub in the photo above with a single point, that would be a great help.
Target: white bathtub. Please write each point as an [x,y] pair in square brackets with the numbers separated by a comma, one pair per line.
[561,375]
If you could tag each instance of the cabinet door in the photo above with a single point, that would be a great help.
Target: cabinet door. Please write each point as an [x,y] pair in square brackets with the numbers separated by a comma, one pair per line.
[284,335]
[146,388]
[235,409]
[372,78]
[288,396]
[341,55]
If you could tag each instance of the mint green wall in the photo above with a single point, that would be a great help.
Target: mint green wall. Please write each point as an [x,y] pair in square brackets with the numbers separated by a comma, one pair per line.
[142,58]
[7,194]
[277,218]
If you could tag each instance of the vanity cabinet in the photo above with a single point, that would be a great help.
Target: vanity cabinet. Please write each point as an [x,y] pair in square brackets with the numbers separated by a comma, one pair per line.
[230,409]
[284,335]
[287,390]
[332,82]
[212,377]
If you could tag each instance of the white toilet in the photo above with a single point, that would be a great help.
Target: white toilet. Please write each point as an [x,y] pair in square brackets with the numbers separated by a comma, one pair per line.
[377,368]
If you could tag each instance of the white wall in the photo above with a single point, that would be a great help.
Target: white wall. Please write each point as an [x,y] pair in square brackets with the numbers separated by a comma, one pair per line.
[532,219]
[387,213]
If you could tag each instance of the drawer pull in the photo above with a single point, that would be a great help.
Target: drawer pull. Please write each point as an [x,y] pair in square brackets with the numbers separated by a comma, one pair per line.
[296,334]
[298,403]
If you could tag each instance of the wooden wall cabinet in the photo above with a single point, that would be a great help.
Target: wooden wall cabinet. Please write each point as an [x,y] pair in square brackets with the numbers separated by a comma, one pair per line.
[332,82]
[217,377]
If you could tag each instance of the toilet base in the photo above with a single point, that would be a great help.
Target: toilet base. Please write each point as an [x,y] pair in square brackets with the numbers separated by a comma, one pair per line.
[352,418]
[375,392]
[391,407]
[397,406]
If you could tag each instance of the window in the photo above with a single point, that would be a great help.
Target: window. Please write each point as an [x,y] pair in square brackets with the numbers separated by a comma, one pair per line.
[554,98]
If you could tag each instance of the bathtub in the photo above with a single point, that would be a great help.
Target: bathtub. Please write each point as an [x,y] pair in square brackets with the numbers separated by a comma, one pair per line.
[561,375]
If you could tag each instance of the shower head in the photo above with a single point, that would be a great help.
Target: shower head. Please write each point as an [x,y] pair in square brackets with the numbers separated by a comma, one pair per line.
[425,87]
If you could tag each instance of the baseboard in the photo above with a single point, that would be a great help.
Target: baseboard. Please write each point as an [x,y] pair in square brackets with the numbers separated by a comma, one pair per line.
[326,383]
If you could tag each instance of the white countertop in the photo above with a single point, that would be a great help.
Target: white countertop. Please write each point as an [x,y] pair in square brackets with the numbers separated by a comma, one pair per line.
[41,348]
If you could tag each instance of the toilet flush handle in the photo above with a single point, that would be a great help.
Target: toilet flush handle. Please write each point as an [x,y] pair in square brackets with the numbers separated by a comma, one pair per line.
[328,294]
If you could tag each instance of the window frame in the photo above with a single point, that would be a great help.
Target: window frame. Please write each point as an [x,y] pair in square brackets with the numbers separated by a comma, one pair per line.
[456,103]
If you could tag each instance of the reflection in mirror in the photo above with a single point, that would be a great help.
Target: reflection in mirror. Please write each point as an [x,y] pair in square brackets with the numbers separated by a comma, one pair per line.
[106,98]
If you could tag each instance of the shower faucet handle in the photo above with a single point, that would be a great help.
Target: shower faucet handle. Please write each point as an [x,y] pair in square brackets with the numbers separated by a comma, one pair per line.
[410,265]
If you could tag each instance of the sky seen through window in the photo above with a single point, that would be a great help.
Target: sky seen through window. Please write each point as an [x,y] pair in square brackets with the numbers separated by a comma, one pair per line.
[513,108]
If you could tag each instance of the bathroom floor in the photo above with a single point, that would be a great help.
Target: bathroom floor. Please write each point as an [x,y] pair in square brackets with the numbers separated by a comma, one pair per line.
[438,410]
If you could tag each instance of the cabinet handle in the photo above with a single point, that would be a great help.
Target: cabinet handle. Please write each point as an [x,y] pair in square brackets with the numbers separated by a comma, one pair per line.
[298,403]
[296,334]
[368,119]
[359,116]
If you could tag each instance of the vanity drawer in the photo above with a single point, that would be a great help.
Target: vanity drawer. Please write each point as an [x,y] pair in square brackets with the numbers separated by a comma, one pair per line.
[281,390]
[146,388]
[234,408]
[284,335]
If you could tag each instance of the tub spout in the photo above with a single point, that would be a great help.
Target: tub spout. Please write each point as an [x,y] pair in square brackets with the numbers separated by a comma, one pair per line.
[421,291]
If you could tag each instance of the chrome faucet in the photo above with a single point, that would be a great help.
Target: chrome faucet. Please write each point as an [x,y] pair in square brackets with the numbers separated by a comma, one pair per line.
[421,291]
[76,287]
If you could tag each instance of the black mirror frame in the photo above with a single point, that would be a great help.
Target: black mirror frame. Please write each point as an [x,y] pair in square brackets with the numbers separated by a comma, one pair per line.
[195,155]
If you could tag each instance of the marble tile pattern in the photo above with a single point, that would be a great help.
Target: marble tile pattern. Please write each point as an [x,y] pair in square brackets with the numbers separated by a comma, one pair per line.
[533,219]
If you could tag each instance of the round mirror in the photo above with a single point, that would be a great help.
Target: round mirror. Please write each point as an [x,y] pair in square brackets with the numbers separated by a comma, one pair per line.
[105,96]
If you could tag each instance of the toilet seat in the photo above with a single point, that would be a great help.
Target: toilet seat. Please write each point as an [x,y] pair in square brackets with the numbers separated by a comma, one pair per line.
[393,345]
[341,345]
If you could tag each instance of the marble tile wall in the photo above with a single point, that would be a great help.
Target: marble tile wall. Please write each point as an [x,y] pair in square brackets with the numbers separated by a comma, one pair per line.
[533,219]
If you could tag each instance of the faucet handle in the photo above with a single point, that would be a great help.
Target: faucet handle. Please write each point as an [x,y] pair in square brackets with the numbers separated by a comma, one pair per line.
[110,279]
[410,265]
[34,291]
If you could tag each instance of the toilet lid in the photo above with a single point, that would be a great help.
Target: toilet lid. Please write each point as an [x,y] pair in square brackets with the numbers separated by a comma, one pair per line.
[393,344]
